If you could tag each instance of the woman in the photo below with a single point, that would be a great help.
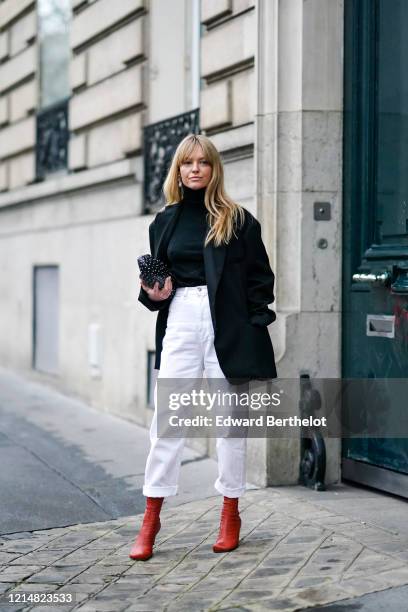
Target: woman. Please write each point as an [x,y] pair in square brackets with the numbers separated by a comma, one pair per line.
[217,320]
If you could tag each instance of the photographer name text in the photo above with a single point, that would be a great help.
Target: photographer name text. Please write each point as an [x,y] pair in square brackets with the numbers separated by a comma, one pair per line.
[261,420]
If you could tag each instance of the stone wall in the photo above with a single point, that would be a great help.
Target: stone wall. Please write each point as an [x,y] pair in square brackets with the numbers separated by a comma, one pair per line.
[18,87]
[108,56]
[269,88]
[128,69]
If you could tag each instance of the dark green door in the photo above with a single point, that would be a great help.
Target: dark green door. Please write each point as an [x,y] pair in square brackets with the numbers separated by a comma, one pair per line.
[375,229]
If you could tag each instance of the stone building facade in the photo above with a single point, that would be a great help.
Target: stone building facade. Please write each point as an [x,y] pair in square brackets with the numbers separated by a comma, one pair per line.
[266,76]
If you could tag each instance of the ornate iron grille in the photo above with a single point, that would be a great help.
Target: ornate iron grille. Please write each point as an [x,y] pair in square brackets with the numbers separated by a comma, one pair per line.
[52,139]
[160,142]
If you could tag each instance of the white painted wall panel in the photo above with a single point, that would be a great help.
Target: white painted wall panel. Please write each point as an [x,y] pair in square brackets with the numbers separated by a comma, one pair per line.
[10,9]
[17,137]
[110,54]
[111,96]
[100,16]
[17,68]
[228,44]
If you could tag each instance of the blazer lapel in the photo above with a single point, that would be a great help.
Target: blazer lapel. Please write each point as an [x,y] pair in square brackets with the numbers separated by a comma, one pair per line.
[214,257]
[164,231]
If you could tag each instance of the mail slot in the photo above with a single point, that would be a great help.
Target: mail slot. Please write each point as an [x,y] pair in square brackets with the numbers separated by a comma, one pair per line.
[381,325]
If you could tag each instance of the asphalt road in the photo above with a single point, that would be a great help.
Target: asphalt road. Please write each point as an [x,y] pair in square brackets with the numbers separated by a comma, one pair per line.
[63,462]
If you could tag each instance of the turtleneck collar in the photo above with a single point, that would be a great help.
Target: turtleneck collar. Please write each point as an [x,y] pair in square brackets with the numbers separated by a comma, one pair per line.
[193,196]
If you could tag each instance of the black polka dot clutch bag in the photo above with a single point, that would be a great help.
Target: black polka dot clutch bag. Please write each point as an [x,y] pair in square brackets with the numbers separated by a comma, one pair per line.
[152,270]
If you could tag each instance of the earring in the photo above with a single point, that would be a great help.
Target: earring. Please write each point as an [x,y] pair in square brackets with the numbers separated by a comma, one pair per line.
[179,182]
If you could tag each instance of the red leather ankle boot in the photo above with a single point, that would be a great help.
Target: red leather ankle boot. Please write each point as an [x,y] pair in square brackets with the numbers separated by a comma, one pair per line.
[142,549]
[228,537]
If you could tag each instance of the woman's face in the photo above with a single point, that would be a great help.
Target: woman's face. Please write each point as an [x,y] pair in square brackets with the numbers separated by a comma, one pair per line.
[196,171]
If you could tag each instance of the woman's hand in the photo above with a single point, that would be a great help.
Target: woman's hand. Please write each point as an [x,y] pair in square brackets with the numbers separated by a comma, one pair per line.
[157,294]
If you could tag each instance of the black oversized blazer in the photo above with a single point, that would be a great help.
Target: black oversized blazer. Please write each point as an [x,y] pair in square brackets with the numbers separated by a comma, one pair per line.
[240,286]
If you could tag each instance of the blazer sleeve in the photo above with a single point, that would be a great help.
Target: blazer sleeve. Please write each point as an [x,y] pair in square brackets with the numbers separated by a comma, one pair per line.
[260,278]
[143,295]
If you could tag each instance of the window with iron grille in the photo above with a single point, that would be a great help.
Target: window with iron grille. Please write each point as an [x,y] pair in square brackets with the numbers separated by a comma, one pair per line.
[54,19]
[160,142]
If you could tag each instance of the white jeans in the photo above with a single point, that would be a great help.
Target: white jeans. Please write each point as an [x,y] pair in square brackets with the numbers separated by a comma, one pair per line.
[188,350]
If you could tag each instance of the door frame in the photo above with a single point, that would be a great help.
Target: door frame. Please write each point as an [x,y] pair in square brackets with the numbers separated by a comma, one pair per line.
[359,229]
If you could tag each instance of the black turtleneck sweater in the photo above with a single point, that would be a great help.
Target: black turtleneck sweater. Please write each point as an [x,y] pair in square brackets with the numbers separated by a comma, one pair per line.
[185,248]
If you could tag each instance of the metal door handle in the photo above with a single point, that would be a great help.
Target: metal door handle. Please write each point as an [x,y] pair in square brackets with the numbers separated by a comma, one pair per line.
[372,278]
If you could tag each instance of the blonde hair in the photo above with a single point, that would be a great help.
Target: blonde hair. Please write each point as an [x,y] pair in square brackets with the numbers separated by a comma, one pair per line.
[223,213]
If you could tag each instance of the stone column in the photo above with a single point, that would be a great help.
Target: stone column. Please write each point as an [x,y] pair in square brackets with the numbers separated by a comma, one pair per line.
[298,162]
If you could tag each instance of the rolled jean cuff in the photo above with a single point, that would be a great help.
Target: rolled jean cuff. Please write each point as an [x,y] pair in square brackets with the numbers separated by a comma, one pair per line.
[159,491]
[229,492]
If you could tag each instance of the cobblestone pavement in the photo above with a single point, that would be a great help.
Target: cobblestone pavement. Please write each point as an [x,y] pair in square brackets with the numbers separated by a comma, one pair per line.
[294,553]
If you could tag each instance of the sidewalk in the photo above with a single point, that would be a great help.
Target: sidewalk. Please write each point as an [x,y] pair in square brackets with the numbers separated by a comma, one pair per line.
[294,553]
[299,548]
